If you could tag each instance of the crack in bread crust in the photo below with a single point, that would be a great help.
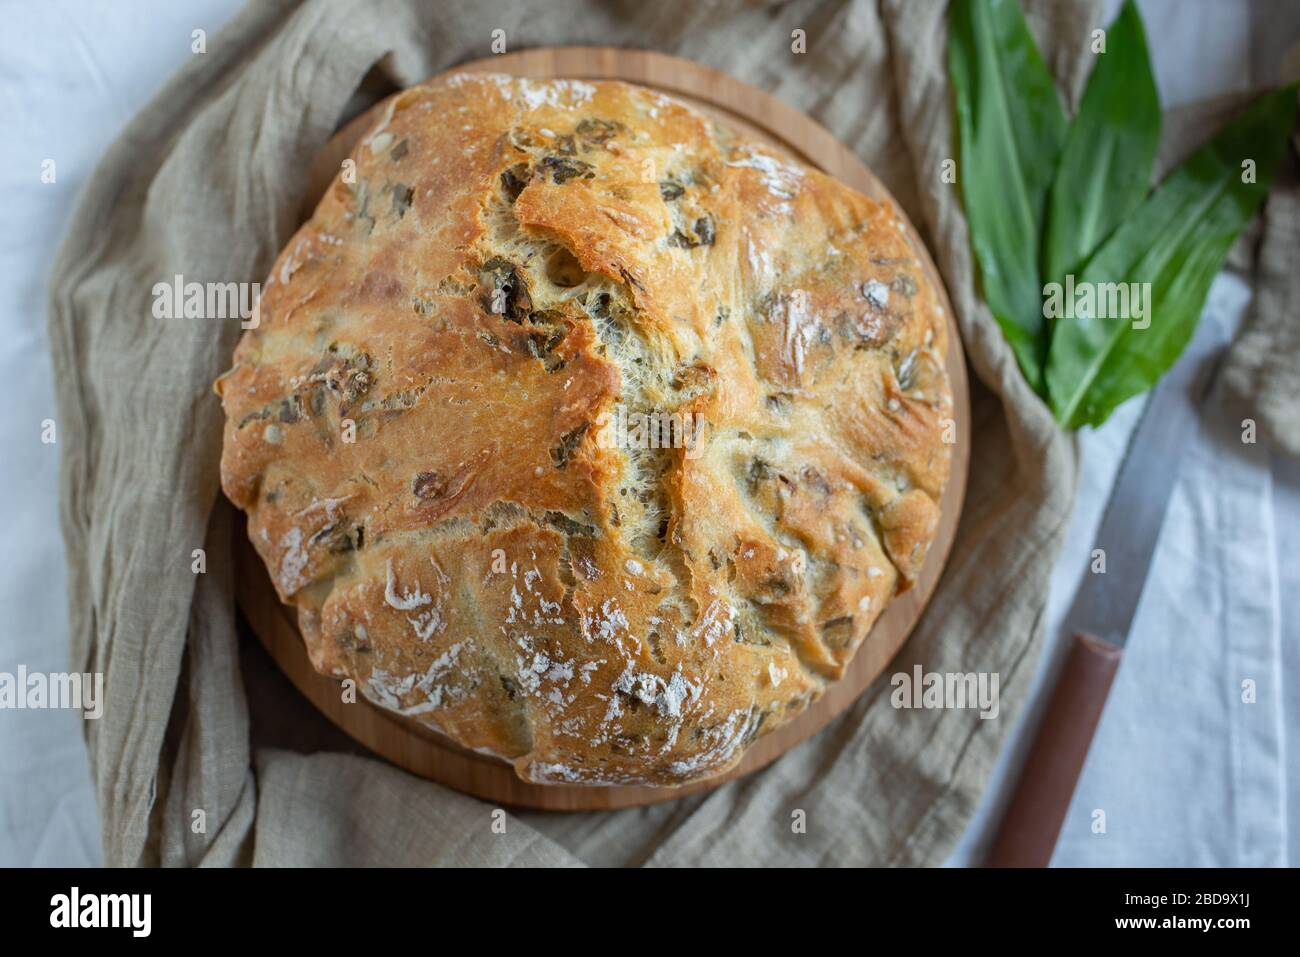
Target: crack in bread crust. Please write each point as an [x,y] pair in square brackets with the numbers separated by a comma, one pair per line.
[587,431]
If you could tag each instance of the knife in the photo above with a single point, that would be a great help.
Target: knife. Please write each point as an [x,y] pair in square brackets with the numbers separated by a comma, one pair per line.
[1102,613]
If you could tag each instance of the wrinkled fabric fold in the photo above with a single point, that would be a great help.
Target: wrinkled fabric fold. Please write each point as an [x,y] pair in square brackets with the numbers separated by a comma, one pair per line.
[1261,374]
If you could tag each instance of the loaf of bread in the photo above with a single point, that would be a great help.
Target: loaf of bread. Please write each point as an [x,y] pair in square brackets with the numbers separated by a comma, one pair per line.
[587,431]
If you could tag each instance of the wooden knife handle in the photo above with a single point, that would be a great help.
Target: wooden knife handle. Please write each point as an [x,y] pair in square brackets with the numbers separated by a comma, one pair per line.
[1033,820]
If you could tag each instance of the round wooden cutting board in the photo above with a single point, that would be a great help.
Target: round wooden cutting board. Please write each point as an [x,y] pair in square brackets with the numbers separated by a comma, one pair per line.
[423,751]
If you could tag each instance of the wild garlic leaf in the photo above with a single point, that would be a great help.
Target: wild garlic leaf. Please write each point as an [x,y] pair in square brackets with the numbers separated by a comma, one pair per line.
[1105,168]
[1010,130]
[1176,241]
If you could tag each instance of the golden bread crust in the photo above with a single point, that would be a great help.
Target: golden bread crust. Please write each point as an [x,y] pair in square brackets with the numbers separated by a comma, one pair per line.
[435,428]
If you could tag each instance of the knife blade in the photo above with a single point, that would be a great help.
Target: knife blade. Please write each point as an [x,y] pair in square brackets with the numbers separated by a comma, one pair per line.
[1105,604]
[1101,615]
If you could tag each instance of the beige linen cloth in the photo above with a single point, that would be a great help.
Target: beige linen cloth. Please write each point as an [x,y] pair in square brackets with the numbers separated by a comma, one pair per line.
[207,182]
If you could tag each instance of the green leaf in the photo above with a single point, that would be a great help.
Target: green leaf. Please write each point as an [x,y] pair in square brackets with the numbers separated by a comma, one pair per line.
[1010,127]
[1105,168]
[1176,241]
